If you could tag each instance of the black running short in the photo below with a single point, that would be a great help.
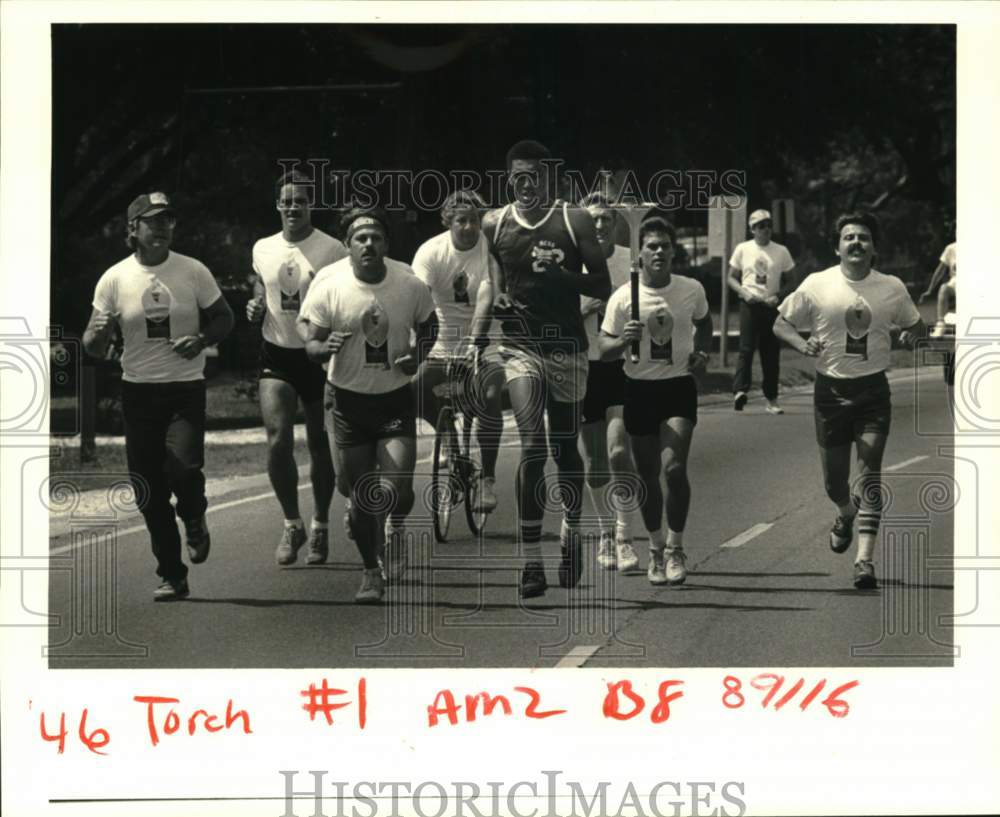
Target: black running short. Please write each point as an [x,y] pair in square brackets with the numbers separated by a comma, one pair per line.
[293,367]
[359,419]
[648,403]
[605,388]
[845,408]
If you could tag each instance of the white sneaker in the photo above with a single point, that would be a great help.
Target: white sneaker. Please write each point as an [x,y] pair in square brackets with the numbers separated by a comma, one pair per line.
[657,567]
[396,554]
[628,559]
[486,496]
[773,408]
[372,587]
[676,570]
[938,330]
[606,552]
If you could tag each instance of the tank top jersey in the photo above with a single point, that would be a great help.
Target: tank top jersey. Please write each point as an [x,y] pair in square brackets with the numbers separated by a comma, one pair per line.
[551,312]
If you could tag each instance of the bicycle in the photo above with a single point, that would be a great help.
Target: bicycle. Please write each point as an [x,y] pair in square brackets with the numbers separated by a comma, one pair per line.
[457,468]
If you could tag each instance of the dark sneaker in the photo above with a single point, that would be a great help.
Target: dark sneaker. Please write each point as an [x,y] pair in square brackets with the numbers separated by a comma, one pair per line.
[533,582]
[841,534]
[198,540]
[571,564]
[740,400]
[292,539]
[172,590]
[319,547]
[864,575]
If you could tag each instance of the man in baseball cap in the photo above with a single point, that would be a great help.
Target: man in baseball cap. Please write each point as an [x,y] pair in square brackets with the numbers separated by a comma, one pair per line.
[760,274]
[149,204]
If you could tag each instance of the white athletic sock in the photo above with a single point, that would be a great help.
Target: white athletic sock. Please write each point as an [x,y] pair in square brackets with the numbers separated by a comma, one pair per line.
[848,510]
[675,539]
[623,526]
[599,500]
[656,540]
[317,525]
[295,523]
[866,547]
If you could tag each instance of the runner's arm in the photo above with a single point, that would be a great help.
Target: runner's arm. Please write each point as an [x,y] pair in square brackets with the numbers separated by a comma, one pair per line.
[97,335]
[703,334]
[483,315]
[936,277]
[317,349]
[597,282]
[489,227]
[427,333]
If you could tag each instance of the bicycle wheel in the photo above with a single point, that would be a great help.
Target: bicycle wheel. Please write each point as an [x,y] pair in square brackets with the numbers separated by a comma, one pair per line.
[472,476]
[444,486]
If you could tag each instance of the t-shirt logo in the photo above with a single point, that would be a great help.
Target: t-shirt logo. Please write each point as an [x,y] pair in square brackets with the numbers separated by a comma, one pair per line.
[461,287]
[661,330]
[760,270]
[375,326]
[156,302]
[544,254]
[858,318]
[289,278]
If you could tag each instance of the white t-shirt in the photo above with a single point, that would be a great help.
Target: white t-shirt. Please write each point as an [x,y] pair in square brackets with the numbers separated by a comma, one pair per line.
[620,267]
[950,258]
[379,316]
[287,268]
[853,318]
[154,307]
[761,267]
[453,277]
[668,314]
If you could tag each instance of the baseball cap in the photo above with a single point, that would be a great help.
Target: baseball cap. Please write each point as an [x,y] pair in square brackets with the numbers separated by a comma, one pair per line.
[759,215]
[149,204]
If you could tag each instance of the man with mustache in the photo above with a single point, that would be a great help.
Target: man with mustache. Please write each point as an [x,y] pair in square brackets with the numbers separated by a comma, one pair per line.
[157,297]
[849,311]
[759,273]
[542,245]
[458,269]
[674,331]
[285,265]
[361,311]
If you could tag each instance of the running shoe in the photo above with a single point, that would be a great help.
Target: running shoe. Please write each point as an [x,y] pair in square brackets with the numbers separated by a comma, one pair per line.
[938,330]
[628,559]
[319,547]
[864,575]
[293,537]
[657,570]
[773,408]
[372,587]
[533,582]
[841,534]
[172,590]
[606,552]
[486,496]
[676,570]
[396,554]
[739,400]
[571,563]
[198,539]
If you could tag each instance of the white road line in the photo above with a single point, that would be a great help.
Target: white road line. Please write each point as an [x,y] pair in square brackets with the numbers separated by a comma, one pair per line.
[577,656]
[904,463]
[750,533]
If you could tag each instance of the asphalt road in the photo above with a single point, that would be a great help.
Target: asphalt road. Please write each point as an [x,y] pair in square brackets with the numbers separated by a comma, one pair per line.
[764,589]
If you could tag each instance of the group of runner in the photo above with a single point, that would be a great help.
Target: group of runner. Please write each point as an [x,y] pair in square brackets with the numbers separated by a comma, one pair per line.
[573,352]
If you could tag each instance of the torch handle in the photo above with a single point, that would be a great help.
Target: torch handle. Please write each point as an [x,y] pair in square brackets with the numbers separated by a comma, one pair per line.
[634,281]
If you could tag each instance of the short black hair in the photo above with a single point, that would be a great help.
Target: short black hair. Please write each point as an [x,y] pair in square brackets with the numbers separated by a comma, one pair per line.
[657,225]
[527,150]
[597,199]
[459,200]
[291,177]
[857,217]
[354,213]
